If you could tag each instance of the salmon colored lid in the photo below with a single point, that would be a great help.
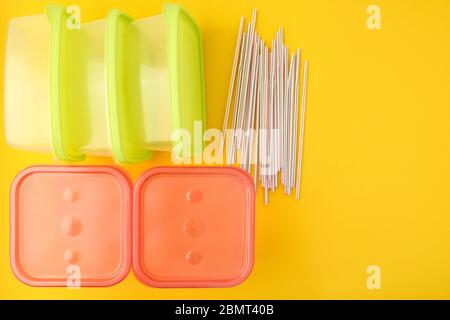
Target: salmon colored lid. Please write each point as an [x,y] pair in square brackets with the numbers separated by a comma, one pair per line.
[70,223]
[193,227]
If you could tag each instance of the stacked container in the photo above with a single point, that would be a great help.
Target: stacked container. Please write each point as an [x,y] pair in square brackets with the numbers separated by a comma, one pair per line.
[113,87]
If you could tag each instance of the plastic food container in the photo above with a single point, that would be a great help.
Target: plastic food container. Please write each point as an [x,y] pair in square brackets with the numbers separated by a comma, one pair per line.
[27,84]
[113,87]
[164,55]
[71,216]
[192,227]
[62,71]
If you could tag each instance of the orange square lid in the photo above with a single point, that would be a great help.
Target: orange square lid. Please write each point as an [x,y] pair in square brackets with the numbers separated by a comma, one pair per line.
[71,226]
[193,227]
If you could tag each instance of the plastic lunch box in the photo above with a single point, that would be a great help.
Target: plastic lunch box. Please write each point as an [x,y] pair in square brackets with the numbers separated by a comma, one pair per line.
[180,227]
[113,87]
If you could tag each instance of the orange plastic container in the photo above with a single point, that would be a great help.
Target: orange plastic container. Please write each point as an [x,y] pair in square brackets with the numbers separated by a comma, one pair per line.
[71,216]
[193,227]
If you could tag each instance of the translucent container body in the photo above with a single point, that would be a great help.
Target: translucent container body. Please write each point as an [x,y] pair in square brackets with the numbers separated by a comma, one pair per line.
[95,139]
[161,115]
[154,79]
[163,55]
[27,81]
[82,226]
[112,87]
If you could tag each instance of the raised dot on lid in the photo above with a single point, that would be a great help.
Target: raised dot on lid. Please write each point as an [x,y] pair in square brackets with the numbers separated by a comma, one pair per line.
[71,226]
[70,195]
[194,257]
[71,256]
[194,196]
[194,227]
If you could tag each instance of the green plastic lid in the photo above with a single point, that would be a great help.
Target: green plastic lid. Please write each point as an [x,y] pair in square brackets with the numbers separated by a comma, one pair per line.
[123,85]
[186,71]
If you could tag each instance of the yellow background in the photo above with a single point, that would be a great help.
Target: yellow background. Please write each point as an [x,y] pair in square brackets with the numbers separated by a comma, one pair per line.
[376,187]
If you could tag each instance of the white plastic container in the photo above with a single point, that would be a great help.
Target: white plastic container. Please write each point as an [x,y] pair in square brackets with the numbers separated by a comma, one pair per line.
[55,86]
[163,55]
